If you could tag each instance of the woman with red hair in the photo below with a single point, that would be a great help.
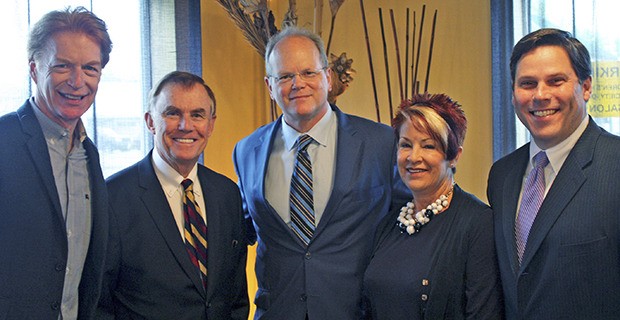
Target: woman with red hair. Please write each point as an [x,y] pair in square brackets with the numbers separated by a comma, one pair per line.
[434,258]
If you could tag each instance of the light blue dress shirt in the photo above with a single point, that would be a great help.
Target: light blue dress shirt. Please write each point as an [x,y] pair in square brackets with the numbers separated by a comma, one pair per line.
[322,153]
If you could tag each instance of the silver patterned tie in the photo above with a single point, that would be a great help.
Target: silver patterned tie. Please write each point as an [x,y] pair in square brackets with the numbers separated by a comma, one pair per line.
[301,198]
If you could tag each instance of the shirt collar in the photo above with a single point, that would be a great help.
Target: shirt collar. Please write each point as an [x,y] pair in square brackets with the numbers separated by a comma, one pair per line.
[52,130]
[319,132]
[558,153]
[169,178]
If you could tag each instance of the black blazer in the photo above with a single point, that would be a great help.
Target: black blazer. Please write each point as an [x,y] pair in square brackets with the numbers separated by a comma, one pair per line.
[148,271]
[571,264]
[33,240]
[464,267]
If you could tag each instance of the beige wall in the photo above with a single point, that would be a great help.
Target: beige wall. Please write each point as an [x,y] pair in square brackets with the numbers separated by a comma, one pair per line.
[461,67]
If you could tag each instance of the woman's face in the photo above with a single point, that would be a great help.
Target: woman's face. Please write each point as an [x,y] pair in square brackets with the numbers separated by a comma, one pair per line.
[422,164]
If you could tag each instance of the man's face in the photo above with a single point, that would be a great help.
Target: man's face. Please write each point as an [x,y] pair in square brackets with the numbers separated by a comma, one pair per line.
[67,75]
[303,101]
[547,95]
[182,123]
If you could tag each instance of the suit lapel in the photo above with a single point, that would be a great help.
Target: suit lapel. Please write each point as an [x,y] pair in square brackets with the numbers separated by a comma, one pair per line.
[347,148]
[511,190]
[156,204]
[38,151]
[566,184]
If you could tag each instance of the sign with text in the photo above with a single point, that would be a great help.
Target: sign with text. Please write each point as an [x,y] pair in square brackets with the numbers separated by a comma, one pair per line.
[605,99]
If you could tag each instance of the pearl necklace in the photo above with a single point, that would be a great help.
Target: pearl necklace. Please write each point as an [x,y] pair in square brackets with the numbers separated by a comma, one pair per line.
[412,223]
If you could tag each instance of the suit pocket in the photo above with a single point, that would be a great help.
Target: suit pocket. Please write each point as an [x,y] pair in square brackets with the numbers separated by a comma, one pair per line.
[583,247]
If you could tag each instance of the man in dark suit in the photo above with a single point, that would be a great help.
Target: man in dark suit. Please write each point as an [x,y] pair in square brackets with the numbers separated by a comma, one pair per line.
[53,200]
[568,266]
[156,266]
[313,270]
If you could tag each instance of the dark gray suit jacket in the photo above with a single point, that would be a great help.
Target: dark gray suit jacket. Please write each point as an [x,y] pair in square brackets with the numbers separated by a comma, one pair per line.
[148,272]
[571,264]
[33,239]
[323,280]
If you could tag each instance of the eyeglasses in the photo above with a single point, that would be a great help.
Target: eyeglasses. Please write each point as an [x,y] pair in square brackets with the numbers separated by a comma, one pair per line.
[305,75]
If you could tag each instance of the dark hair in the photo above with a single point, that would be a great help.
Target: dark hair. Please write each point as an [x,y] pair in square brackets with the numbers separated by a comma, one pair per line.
[77,20]
[439,116]
[186,80]
[293,31]
[577,52]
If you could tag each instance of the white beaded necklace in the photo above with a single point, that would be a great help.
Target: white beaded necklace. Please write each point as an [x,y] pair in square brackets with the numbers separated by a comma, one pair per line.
[412,223]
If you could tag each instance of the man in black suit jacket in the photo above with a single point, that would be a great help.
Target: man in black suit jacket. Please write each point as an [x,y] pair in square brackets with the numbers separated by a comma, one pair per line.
[53,200]
[570,267]
[150,274]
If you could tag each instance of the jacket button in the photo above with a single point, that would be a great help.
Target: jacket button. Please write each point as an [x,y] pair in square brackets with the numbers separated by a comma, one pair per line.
[59,267]
[308,255]
[303,297]
[425,282]
[424,297]
[55,306]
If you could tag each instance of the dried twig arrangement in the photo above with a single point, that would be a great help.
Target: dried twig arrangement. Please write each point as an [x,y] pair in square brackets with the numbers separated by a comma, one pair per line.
[415,56]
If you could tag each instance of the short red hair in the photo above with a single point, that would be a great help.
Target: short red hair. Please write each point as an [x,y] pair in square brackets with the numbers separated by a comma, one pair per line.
[446,108]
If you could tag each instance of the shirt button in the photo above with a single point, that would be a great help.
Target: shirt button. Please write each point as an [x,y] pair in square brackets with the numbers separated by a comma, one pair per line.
[308,255]
[424,297]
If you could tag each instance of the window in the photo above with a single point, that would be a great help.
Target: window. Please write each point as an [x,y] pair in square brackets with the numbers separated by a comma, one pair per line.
[590,21]
[115,121]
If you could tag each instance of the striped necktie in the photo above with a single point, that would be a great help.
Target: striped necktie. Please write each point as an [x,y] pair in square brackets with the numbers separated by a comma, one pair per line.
[301,198]
[195,231]
[531,200]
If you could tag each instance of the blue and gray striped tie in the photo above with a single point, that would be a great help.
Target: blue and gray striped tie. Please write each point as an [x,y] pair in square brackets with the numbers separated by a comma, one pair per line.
[301,198]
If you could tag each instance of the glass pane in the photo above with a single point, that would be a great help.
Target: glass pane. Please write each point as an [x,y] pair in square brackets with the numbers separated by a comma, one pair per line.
[119,108]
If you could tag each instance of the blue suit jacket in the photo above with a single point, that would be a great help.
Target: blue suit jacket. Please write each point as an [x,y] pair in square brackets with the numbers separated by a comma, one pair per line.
[323,280]
[33,240]
[571,264]
[149,274]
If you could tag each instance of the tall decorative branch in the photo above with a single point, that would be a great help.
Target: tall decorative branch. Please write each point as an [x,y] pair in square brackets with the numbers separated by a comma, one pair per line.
[430,53]
[417,59]
[372,72]
[318,17]
[407,55]
[399,68]
[387,66]
[334,5]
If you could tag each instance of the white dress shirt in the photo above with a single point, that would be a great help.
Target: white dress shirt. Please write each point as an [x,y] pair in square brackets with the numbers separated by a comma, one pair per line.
[170,181]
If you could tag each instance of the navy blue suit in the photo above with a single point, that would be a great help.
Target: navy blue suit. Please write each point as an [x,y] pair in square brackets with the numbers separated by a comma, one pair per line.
[571,264]
[33,239]
[148,271]
[323,280]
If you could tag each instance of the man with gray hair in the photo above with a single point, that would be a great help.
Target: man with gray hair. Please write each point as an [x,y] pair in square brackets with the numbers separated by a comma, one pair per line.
[177,246]
[315,183]
[53,201]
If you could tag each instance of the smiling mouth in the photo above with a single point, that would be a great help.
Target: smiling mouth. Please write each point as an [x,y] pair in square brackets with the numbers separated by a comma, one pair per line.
[415,170]
[543,113]
[184,140]
[71,96]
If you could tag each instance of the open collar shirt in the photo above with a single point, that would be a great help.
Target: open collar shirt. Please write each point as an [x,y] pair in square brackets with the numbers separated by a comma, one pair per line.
[70,169]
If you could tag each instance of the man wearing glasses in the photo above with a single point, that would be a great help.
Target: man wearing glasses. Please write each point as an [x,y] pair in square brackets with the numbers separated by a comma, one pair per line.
[314,184]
